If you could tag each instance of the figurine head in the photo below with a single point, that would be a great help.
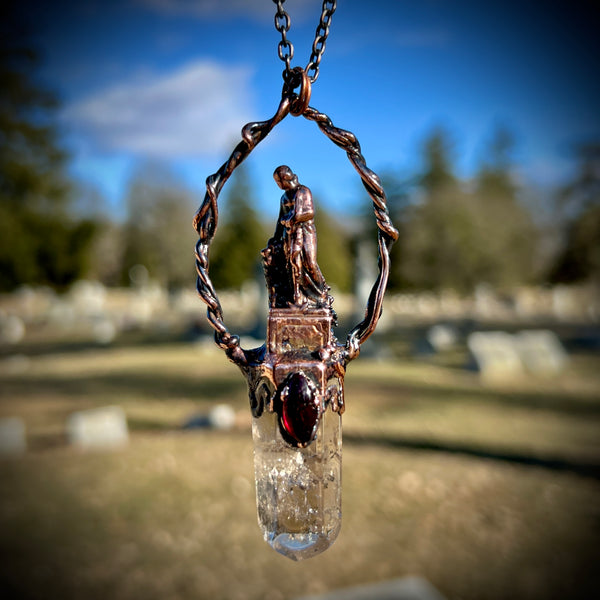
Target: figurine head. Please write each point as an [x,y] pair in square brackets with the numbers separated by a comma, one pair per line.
[285,178]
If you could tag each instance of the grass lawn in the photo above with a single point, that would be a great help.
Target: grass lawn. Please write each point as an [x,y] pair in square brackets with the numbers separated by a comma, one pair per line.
[489,492]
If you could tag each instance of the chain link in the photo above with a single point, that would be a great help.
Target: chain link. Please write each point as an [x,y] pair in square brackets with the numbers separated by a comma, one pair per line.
[282,24]
[285,49]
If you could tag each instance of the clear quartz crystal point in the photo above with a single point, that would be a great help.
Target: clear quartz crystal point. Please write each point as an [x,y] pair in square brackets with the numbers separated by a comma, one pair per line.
[298,490]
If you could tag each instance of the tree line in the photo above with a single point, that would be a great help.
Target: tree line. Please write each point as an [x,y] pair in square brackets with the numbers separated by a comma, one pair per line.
[454,233]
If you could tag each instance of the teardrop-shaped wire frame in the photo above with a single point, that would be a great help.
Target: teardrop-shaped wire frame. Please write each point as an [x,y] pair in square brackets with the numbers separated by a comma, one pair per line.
[205,223]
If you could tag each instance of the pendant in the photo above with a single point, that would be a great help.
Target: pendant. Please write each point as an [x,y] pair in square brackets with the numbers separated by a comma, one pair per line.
[296,379]
[296,390]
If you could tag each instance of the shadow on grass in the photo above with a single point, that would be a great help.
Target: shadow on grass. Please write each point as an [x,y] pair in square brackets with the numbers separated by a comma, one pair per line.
[582,468]
[118,386]
[128,340]
[535,399]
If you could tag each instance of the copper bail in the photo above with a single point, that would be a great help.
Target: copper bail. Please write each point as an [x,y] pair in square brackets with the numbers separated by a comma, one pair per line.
[300,103]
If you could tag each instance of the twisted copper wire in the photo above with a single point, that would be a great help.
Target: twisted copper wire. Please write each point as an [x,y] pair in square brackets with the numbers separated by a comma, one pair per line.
[387,233]
[206,219]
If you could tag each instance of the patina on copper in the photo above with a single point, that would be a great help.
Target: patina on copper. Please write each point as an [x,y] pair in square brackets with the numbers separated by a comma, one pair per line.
[290,258]
[299,372]
[302,359]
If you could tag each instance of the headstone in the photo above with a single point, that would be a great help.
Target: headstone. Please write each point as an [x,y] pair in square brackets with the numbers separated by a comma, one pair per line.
[437,338]
[12,436]
[139,276]
[103,330]
[221,417]
[494,354]
[87,297]
[98,428]
[541,351]
[483,300]
[428,305]
[404,588]
[61,313]
[565,303]
[12,329]
[442,337]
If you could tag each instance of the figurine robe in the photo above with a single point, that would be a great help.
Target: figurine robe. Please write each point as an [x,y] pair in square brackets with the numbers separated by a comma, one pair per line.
[290,258]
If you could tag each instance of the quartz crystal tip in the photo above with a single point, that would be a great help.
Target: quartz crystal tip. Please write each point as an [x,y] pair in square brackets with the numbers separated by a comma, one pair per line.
[298,490]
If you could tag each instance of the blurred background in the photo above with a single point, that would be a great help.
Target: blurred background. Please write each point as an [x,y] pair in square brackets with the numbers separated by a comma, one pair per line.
[472,446]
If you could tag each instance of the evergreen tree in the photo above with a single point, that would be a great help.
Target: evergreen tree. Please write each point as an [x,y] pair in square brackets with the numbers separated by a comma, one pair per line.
[507,235]
[453,238]
[579,259]
[158,232]
[400,198]
[235,252]
[438,244]
[438,175]
[39,242]
[333,250]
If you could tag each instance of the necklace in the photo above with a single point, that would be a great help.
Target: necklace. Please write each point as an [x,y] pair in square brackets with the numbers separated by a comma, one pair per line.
[296,379]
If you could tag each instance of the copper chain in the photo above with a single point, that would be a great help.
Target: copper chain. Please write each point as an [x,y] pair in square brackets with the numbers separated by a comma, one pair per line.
[285,48]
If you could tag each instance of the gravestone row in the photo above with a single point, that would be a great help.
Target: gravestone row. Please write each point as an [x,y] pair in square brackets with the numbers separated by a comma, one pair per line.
[103,428]
[95,429]
[497,354]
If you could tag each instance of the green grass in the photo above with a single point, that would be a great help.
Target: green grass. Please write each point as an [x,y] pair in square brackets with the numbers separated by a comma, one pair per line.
[490,492]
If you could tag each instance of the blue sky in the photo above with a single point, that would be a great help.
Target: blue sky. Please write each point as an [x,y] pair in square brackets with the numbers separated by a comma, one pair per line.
[175,80]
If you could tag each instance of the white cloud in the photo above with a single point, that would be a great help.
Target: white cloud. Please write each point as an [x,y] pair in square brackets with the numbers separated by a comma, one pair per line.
[198,109]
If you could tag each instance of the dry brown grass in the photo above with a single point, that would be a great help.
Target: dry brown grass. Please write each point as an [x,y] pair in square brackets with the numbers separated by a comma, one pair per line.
[488,492]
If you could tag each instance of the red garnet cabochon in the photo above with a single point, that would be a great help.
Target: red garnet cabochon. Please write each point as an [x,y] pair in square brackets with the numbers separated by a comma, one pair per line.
[300,408]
